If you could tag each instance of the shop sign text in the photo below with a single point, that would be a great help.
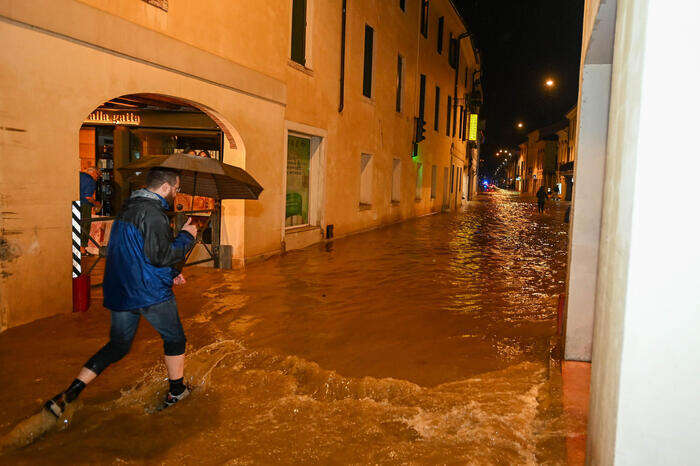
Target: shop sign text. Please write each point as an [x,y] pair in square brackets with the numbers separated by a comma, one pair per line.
[113,118]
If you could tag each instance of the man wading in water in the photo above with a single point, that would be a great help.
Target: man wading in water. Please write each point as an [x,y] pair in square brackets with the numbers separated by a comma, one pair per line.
[142,265]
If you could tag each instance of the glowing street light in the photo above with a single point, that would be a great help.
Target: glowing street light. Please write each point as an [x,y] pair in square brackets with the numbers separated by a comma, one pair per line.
[549,83]
[520,125]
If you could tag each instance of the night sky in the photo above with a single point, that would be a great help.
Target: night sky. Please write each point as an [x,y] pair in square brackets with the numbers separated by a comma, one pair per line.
[523,42]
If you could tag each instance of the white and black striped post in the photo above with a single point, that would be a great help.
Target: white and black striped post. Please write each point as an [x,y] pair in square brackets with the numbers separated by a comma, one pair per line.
[77,238]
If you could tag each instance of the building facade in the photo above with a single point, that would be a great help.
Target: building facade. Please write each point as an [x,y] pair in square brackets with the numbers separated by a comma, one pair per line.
[317,100]
[566,156]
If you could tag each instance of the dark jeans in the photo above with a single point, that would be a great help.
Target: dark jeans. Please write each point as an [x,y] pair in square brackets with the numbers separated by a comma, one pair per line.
[163,317]
[540,205]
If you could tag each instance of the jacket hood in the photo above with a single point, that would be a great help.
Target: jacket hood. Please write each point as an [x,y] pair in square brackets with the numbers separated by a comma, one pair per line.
[146,194]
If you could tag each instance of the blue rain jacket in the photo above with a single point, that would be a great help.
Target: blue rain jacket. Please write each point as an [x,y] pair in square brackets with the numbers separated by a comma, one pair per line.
[142,255]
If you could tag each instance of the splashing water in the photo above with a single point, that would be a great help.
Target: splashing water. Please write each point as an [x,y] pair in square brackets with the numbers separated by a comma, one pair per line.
[424,342]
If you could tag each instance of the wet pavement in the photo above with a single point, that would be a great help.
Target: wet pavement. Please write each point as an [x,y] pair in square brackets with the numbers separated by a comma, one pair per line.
[427,341]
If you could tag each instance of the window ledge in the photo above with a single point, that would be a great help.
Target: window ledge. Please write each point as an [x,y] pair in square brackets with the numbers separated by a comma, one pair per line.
[365,206]
[418,199]
[368,100]
[299,67]
[300,228]
[395,203]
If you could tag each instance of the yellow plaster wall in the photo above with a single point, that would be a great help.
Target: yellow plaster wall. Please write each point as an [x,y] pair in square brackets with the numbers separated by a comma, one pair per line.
[44,102]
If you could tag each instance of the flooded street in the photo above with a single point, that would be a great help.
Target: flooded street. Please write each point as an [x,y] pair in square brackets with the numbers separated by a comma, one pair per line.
[428,341]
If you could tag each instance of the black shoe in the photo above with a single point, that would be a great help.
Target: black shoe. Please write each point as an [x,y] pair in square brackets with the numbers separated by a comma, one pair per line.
[56,405]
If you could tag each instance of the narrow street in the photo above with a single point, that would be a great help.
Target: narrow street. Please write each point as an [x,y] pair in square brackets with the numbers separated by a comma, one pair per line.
[426,341]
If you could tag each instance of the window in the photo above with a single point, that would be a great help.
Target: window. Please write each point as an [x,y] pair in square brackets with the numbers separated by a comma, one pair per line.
[433,182]
[299,31]
[453,53]
[396,181]
[464,123]
[454,118]
[461,118]
[402,5]
[419,182]
[421,102]
[436,122]
[445,186]
[369,50]
[441,28]
[452,178]
[425,5]
[449,113]
[366,179]
[399,84]
[298,168]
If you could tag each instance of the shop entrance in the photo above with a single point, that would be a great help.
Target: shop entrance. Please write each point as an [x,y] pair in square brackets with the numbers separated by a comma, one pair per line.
[130,128]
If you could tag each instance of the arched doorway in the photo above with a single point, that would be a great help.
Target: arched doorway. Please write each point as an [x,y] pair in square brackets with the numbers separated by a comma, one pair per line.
[131,127]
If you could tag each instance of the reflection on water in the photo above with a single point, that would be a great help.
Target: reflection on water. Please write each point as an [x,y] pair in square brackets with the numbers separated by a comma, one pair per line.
[427,341]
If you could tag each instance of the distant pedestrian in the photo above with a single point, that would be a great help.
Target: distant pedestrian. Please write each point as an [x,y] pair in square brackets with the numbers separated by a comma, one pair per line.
[89,205]
[541,197]
[144,259]
[567,215]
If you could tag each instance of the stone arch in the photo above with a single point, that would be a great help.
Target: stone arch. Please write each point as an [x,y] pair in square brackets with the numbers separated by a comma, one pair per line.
[233,152]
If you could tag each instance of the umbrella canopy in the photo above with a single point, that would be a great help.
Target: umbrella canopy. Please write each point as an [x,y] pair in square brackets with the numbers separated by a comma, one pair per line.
[200,176]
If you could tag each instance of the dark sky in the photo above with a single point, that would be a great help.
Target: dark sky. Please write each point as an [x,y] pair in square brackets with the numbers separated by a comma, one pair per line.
[523,42]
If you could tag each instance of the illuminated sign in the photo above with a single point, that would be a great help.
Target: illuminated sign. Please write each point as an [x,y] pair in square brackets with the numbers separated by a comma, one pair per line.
[113,118]
[473,126]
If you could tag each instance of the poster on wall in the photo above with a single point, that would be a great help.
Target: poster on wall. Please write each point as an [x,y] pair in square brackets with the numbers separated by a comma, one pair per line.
[298,157]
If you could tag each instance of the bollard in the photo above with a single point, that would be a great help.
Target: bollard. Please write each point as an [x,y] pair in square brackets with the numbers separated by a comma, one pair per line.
[81,293]
[81,282]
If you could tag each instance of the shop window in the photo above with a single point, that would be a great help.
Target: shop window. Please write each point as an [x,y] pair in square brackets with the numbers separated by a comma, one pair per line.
[298,171]
[436,116]
[433,182]
[132,127]
[369,51]
[399,83]
[402,5]
[366,180]
[419,182]
[299,31]
[441,28]
[396,181]
[425,6]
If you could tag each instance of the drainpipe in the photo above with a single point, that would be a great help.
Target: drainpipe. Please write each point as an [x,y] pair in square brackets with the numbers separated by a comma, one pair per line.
[342,59]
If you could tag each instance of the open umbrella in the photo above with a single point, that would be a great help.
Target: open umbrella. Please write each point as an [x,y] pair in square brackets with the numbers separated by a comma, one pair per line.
[200,176]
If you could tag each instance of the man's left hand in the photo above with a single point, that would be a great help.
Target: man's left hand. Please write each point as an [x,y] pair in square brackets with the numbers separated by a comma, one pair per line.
[179,280]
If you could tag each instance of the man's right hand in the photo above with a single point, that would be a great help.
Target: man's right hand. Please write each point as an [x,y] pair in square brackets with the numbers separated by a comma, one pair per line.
[190,228]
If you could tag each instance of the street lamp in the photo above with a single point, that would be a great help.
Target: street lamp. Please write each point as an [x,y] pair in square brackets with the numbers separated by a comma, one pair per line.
[549,83]
[520,125]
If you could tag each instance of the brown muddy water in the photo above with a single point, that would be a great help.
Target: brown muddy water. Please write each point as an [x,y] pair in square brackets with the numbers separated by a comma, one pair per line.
[424,342]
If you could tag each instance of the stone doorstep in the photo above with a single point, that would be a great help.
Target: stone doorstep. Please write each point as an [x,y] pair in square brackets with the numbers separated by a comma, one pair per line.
[301,237]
